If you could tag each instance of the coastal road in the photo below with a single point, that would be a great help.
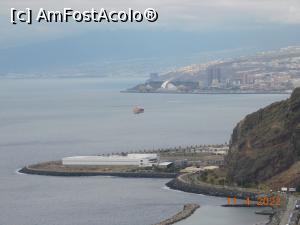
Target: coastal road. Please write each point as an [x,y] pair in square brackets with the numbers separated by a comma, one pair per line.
[289,209]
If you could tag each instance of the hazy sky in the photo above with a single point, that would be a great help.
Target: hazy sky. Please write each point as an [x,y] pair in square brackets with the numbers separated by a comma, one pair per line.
[184,27]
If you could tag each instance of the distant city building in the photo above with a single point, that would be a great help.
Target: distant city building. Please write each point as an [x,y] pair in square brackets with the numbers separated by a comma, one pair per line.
[169,86]
[213,75]
[215,83]
[275,71]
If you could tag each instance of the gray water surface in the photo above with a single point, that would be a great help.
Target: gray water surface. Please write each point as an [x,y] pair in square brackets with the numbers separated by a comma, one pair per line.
[45,119]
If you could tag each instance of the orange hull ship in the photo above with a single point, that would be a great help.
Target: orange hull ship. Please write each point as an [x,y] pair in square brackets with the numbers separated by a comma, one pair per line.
[138,110]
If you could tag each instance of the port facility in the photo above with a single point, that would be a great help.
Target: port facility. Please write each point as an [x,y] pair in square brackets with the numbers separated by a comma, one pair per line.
[141,160]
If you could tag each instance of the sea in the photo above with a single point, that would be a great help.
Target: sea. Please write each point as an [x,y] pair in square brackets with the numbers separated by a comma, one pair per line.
[50,118]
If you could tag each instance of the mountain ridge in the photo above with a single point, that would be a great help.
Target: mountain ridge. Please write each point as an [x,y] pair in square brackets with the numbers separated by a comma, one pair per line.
[265,143]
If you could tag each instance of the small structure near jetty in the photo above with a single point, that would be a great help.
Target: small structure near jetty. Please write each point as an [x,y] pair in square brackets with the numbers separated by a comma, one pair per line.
[141,160]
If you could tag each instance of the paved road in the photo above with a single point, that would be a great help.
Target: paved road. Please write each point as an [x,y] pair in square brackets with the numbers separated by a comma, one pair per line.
[290,207]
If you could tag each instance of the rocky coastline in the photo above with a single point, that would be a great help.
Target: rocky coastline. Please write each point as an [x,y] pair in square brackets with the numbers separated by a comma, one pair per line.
[187,211]
[180,184]
[212,190]
[177,183]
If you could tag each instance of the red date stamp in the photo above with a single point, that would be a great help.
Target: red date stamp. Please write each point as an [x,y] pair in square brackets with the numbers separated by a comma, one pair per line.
[262,201]
[268,201]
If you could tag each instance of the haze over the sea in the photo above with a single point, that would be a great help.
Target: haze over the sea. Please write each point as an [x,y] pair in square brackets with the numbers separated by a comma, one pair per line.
[184,33]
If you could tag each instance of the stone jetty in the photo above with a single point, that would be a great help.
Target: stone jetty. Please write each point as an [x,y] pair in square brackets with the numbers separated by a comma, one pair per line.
[187,211]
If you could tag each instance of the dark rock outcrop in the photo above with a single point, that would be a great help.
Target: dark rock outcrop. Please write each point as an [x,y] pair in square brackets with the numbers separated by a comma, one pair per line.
[266,142]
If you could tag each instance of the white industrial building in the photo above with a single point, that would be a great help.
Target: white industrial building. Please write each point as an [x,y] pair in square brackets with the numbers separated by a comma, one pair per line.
[141,160]
[168,86]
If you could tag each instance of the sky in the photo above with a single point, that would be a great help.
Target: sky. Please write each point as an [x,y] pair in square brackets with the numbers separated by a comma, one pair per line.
[184,31]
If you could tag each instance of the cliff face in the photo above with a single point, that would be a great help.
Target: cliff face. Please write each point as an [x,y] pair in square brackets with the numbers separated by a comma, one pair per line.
[266,142]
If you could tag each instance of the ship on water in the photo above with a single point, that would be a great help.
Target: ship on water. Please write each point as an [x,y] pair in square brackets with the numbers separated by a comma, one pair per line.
[138,110]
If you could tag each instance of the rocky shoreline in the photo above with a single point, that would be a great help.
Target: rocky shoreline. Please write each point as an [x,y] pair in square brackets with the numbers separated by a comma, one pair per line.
[179,184]
[207,189]
[187,211]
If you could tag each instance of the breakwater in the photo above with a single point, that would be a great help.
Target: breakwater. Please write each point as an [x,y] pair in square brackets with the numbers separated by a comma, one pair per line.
[179,183]
[242,205]
[187,211]
[28,170]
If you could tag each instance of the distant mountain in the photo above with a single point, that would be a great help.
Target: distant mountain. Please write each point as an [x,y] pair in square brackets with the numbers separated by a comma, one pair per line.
[265,145]
[285,60]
